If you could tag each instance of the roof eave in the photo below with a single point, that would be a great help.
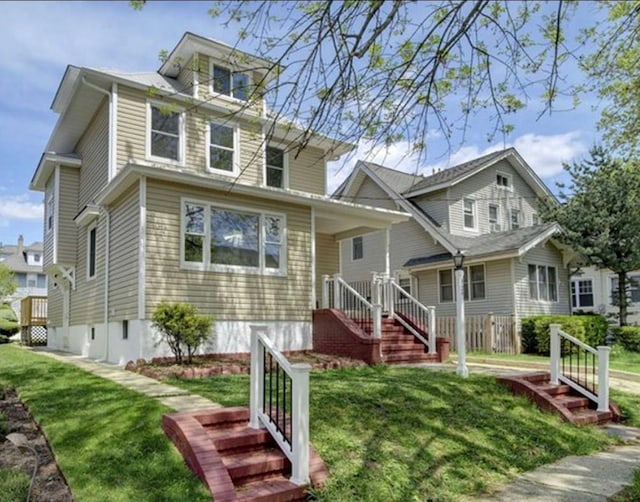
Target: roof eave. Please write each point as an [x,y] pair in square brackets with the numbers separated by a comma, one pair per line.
[47,164]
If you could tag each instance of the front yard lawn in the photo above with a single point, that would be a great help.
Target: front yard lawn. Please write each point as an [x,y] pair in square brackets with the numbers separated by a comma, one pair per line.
[390,433]
[107,439]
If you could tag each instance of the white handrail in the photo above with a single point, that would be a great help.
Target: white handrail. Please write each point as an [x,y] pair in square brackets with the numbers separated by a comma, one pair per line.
[297,448]
[579,343]
[431,317]
[354,292]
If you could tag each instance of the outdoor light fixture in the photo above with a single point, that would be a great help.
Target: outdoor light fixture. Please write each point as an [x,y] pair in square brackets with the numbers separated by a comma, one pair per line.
[458,262]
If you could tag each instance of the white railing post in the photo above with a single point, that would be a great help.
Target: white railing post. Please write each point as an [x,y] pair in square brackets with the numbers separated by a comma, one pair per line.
[300,423]
[603,378]
[432,330]
[554,353]
[336,292]
[325,291]
[257,377]
[375,288]
[390,295]
[377,320]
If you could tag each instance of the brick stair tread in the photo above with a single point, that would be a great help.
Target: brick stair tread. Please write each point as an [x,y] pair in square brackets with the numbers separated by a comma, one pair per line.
[554,390]
[255,463]
[389,339]
[404,346]
[409,358]
[571,402]
[588,416]
[276,489]
[228,439]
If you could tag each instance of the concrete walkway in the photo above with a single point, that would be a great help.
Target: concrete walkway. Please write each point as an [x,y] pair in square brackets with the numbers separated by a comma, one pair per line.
[173,397]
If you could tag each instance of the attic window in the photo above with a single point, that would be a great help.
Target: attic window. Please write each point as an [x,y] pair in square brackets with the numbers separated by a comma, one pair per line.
[503,180]
[229,83]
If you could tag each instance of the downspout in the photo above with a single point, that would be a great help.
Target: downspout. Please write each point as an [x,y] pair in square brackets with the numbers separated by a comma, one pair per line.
[111,161]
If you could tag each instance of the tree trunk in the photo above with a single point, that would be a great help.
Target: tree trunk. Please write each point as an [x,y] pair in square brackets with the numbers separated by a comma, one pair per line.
[622,297]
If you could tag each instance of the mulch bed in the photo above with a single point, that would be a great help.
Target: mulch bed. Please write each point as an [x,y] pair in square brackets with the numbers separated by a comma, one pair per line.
[229,364]
[49,484]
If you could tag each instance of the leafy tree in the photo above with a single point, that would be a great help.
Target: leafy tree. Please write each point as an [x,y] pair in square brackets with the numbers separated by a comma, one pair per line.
[9,324]
[8,284]
[601,215]
[181,327]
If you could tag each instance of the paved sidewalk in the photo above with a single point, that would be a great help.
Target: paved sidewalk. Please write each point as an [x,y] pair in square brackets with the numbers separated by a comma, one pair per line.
[174,397]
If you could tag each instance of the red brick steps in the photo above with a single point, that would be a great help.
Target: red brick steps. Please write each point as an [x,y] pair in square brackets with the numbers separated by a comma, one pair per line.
[236,462]
[560,399]
[399,345]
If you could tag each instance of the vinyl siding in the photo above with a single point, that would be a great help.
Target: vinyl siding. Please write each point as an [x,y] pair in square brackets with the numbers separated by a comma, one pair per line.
[67,211]
[307,171]
[54,305]
[93,148]
[49,239]
[123,252]
[132,125]
[436,205]
[327,260]
[497,284]
[87,300]
[541,255]
[371,194]
[482,187]
[185,77]
[227,296]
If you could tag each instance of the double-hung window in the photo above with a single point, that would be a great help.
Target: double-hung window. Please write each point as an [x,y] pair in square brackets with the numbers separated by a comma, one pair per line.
[582,293]
[469,214]
[234,84]
[222,148]
[515,219]
[357,248]
[233,239]
[166,136]
[494,218]
[633,289]
[543,284]
[474,284]
[275,175]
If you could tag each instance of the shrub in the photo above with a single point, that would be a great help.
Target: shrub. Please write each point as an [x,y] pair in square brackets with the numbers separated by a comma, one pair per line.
[181,327]
[15,485]
[9,324]
[4,426]
[628,337]
[591,329]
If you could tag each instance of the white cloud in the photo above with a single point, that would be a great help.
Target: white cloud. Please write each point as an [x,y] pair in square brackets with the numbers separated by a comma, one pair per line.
[20,207]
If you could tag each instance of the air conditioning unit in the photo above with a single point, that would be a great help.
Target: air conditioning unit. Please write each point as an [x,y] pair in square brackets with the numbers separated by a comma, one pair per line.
[494,227]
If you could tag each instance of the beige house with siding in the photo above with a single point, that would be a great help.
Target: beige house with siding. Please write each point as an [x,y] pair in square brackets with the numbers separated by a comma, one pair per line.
[486,209]
[176,185]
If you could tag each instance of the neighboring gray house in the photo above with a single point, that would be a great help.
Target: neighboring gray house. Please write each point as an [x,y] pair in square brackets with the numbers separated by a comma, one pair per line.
[486,208]
[26,263]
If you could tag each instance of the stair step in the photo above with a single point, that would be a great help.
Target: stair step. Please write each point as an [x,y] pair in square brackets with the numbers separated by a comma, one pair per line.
[588,416]
[571,402]
[276,489]
[538,377]
[554,390]
[399,339]
[403,347]
[410,358]
[255,465]
[241,439]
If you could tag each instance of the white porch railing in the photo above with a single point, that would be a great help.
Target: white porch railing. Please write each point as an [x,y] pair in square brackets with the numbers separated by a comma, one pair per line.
[580,366]
[279,401]
[412,314]
[337,294]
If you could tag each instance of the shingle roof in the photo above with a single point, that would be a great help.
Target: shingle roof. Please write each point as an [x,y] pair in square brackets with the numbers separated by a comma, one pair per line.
[150,79]
[498,242]
[398,181]
[17,262]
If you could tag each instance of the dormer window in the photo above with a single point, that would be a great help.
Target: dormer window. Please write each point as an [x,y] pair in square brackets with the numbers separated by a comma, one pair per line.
[503,181]
[229,83]
[36,258]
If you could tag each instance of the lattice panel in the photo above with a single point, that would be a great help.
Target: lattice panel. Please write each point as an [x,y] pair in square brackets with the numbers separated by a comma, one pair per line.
[34,335]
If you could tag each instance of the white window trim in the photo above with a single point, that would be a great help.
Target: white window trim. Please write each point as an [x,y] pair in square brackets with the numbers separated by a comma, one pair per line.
[453,286]
[534,217]
[285,165]
[50,213]
[537,299]
[468,282]
[575,283]
[236,148]
[474,213]
[207,266]
[231,98]
[511,213]
[181,139]
[508,177]
[353,259]
[498,221]
[95,269]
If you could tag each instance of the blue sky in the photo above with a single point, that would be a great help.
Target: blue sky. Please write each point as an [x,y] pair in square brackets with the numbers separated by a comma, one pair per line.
[41,38]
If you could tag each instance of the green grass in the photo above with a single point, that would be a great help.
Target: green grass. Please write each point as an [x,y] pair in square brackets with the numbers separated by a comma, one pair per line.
[391,433]
[619,359]
[107,439]
[14,485]
[631,493]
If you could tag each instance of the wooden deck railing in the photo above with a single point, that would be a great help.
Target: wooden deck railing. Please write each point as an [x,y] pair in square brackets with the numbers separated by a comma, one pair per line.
[33,311]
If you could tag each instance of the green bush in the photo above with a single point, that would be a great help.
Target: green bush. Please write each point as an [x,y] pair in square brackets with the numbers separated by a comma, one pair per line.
[4,339]
[9,324]
[15,485]
[181,327]
[591,329]
[4,426]
[628,337]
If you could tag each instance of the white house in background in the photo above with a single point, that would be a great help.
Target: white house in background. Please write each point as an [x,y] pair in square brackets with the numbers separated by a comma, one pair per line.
[486,208]
[26,263]
[592,290]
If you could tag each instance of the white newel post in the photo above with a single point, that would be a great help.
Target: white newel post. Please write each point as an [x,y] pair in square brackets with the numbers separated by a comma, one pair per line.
[325,291]
[603,378]
[390,295]
[336,292]
[377,320]
[432,330]
[300,423]
[554,353]
[257,380]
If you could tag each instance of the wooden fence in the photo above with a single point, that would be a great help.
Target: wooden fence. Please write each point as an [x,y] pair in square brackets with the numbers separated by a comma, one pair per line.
[488,333]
